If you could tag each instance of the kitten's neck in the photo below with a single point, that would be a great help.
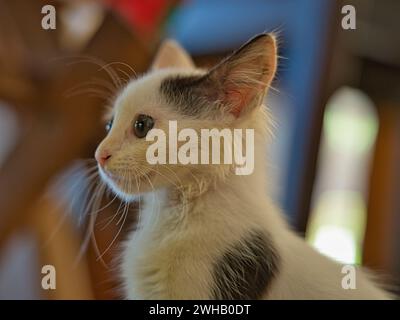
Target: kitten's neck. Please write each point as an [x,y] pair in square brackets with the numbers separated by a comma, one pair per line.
[179,203]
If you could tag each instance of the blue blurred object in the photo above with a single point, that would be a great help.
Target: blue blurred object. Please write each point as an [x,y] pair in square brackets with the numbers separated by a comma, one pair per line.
[212,26]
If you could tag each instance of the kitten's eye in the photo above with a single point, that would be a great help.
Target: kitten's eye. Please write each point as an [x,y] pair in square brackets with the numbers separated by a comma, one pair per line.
[142,125]
[109,125]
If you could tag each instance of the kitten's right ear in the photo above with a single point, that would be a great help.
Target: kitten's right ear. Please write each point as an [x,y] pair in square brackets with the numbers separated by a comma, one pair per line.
[171,54]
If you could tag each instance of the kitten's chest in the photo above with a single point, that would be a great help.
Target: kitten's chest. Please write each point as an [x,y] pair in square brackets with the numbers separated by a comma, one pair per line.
[176,259]
[167,266]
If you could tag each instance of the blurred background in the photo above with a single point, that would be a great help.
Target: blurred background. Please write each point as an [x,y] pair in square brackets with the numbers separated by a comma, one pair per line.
[334,164]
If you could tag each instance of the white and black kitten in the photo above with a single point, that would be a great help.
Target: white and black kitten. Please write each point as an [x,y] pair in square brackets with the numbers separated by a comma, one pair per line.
[204,231]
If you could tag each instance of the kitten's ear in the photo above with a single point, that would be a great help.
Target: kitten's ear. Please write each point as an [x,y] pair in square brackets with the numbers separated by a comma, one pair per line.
[240,81]
[171,54]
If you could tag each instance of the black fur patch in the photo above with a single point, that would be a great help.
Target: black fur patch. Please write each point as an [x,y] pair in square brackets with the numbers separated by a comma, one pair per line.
[238,276]
[184,92]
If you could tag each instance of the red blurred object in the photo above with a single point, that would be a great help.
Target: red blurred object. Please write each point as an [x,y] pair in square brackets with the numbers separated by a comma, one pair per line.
[145,16]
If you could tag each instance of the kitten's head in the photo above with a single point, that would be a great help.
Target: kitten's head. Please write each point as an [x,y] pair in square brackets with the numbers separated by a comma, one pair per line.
[227,96]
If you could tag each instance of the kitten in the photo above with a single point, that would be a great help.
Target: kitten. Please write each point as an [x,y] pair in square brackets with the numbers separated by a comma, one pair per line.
[205,232]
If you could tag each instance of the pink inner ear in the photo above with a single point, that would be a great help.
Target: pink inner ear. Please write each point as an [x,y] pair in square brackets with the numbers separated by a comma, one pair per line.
[237,100]
[240,98]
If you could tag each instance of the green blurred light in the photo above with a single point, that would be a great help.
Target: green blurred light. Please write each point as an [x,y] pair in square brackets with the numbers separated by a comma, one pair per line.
[350,122]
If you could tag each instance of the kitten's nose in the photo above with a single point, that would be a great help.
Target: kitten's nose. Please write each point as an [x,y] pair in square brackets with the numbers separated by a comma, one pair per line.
[102,157]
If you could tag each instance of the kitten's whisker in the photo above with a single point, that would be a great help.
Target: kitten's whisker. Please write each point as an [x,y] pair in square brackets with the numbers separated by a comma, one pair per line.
[123,218]
[164,176]
[92,83]
[125,65]
[117,78]
[125,214]
[92,184]
[103,66]
[122,215]
[93,235]
[96,185]
[145,174]
[104,207]
[88,91]
[174,173]
[90,235]
[111,219]
[127,79]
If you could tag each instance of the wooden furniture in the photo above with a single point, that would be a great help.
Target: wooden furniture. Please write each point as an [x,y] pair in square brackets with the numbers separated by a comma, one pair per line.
[57,126]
